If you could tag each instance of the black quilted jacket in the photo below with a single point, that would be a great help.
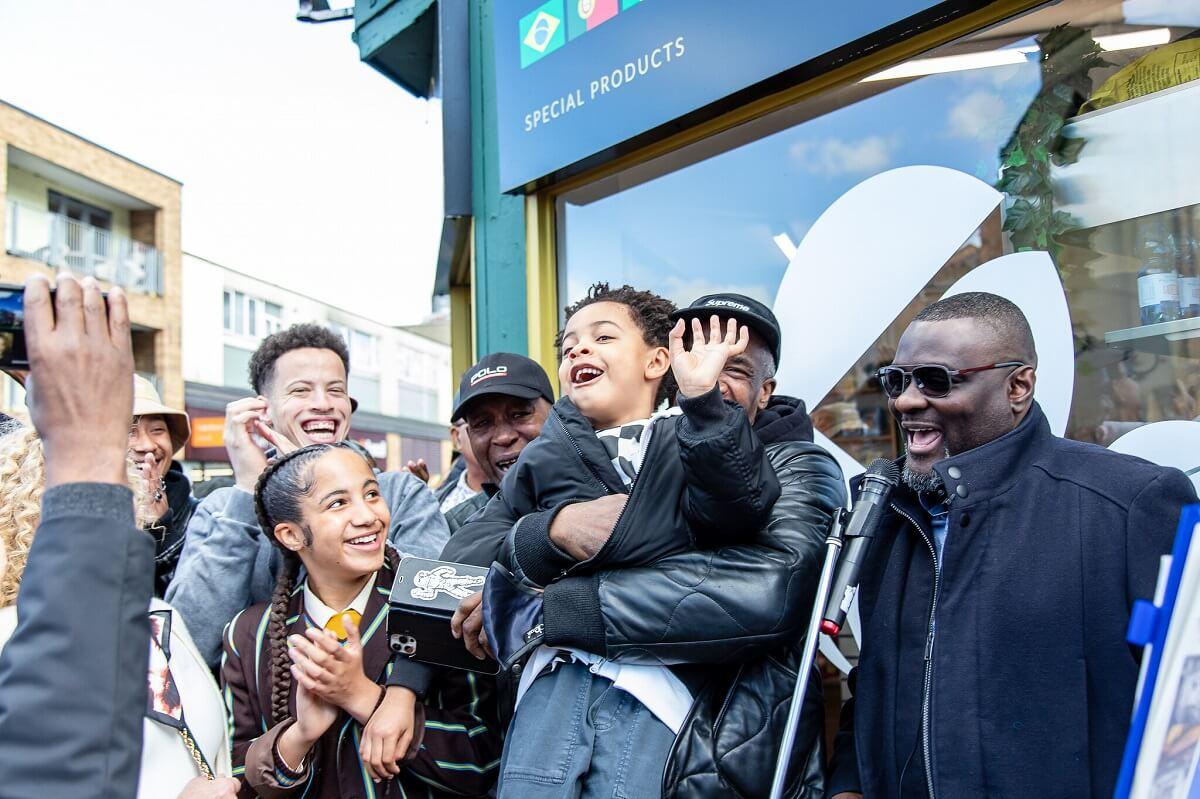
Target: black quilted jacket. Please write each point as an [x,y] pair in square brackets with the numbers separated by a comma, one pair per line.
[752,603]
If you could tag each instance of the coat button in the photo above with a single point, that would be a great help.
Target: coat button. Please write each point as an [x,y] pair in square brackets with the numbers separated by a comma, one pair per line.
[961,491]
[965,520]
[954,472]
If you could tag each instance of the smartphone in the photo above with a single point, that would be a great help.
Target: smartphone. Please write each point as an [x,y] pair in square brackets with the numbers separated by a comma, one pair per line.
[12,328]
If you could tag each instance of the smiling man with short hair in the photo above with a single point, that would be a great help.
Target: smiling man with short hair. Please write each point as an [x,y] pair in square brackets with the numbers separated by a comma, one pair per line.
[300,377]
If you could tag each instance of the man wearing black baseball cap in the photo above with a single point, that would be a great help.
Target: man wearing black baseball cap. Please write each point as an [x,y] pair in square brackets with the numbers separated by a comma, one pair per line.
[504,399]
[733,614]
[750,312]
[749,379]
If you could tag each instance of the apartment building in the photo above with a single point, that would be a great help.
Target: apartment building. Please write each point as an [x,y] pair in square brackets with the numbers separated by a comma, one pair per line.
[70,204]
[400,377]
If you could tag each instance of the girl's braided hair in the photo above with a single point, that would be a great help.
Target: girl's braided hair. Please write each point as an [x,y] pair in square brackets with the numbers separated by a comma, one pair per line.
[277,496]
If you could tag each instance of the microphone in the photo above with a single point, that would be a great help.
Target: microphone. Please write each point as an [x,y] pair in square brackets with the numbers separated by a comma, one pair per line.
[873,493]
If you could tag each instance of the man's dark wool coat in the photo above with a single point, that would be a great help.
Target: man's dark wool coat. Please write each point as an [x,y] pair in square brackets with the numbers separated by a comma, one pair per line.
[1031,682]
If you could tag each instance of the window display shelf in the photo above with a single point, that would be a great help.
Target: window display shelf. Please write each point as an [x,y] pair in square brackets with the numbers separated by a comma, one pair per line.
[1129,148]
[1157,338]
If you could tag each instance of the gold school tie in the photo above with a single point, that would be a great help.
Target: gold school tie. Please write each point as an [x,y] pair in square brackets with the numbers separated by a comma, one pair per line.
[336,626]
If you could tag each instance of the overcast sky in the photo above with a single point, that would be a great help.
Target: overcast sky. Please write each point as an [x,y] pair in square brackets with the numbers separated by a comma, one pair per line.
[299,163]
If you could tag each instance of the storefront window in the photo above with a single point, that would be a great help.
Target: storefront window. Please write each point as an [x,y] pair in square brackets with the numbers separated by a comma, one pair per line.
[1084,115]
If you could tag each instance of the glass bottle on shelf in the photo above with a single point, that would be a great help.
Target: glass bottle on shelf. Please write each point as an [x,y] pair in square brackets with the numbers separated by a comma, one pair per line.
[1157,280]
[1187,261]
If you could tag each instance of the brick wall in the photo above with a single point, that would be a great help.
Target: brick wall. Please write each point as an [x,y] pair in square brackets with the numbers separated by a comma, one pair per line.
[159,227]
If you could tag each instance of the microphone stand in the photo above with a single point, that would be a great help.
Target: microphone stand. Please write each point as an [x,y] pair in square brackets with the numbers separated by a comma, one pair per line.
[833,546]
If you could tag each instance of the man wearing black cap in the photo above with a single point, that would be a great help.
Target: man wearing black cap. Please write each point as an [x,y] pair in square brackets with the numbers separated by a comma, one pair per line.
[504,400]
[749,379]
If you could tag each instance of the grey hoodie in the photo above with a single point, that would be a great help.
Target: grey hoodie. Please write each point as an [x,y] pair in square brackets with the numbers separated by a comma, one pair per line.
[227,566]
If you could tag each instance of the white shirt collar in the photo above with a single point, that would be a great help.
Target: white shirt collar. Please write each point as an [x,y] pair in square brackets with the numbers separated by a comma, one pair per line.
[320,613]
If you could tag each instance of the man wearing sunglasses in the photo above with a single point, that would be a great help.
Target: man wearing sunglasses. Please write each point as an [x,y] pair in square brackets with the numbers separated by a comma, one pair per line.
[996,597]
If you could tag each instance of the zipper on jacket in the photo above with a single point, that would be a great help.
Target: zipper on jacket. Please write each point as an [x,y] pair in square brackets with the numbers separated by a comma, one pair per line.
[647,437]
[595,478]
[927,681]
[578,451]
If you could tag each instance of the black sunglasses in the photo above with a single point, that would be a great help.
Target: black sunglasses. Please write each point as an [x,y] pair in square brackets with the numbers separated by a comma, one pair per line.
[932,380]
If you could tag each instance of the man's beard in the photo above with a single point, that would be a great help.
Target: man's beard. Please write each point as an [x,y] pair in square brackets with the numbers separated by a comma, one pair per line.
[924,482]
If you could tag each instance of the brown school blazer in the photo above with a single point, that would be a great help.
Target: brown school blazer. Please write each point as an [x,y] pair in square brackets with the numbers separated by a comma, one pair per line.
[460,753]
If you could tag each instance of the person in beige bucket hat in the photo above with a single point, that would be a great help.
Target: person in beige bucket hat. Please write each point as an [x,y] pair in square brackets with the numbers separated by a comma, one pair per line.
[155,434]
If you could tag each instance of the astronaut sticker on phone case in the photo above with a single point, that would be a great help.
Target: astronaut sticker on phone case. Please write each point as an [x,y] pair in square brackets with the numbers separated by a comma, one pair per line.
[427,583]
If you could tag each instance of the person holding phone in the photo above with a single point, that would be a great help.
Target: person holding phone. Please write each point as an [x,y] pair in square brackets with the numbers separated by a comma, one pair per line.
[73,675]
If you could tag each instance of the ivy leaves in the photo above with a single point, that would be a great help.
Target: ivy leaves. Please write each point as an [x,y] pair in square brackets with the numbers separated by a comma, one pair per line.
[1066,57]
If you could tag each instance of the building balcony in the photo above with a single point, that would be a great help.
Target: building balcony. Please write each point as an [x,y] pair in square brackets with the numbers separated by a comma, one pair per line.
[64,243]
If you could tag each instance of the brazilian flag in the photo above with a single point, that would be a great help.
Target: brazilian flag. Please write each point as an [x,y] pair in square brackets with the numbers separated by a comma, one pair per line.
[542,31]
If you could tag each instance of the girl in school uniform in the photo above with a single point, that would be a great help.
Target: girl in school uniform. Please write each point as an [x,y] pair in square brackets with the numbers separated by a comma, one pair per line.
[304,674]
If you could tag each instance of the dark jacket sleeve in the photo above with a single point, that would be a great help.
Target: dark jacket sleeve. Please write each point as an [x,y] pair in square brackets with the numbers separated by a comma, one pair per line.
[267,775]
[511,528]
[711,606]
[239,689]
[461,745]
[843,765]
[73,675]
[1150,531]
[730,485]
[256,760]
[480,540]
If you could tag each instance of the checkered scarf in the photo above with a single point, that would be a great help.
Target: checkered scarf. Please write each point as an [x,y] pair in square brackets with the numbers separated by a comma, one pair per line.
[623,444]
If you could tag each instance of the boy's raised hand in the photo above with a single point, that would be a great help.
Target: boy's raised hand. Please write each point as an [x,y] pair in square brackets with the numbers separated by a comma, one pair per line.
[696,370]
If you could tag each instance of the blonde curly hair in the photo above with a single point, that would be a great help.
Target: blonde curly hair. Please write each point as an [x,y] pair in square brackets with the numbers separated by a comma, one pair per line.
[22,480]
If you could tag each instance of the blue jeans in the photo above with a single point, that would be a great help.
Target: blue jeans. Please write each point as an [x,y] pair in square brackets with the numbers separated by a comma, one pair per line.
[576,736]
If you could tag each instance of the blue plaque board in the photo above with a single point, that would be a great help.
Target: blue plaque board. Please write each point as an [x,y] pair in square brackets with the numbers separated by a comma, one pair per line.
[575,77]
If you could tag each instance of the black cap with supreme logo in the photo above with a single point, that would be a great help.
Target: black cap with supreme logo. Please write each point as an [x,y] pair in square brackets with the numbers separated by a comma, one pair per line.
[503,373]
[749,312]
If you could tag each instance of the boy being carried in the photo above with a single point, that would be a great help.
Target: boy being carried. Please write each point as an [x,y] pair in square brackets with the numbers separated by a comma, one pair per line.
[688,477]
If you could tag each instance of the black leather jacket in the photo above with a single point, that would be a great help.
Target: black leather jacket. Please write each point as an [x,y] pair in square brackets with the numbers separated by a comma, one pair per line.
[729,621]
[752,603]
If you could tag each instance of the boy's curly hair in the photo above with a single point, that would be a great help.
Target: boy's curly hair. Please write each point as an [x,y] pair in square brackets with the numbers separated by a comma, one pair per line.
[301,336]
[650,312]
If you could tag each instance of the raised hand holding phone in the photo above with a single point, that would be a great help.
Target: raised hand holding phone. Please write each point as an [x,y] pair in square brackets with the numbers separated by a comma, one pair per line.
[696,370]
[81,378]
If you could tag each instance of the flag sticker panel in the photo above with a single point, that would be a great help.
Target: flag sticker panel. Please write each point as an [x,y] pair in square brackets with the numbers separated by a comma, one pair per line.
[542,31]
